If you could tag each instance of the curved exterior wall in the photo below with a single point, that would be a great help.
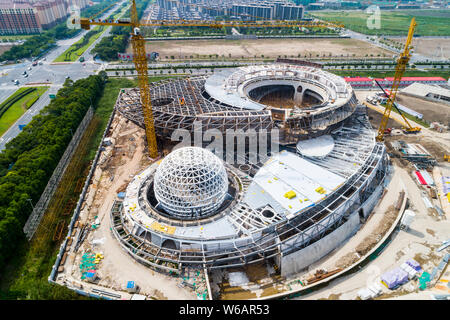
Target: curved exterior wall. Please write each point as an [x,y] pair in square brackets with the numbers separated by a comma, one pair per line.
[254,241]
[221,102]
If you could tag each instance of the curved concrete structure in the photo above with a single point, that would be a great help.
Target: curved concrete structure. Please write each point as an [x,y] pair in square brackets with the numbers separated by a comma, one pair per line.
[274,211]
[224,101]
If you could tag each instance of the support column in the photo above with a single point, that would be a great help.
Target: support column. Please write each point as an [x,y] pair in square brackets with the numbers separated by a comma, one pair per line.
[298,94]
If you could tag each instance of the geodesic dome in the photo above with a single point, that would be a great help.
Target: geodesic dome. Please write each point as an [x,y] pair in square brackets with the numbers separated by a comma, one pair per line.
[191,182]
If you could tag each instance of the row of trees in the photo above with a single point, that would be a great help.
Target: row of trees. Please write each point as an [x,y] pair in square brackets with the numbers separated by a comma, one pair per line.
[38,44]
[108,48]
[28,161]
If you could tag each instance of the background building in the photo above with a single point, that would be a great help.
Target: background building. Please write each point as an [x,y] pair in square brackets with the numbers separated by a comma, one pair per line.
[32,16]
[210,9]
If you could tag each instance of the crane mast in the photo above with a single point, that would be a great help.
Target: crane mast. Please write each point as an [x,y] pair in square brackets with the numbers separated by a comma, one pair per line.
[400,68]
[140,62]
[140,57]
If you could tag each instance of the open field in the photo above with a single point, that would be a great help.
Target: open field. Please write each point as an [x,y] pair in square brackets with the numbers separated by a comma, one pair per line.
[435,48]
[429,22]
[432,111]
[269,48]
[19,107]
[74,55]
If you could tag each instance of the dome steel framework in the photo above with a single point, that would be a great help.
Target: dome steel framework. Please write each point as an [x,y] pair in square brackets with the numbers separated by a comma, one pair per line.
[191,181]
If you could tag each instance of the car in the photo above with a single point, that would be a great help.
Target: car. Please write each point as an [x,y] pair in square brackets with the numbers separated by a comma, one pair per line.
[29,68]
[16,82]
[40,63]
[24,73]
[25,76]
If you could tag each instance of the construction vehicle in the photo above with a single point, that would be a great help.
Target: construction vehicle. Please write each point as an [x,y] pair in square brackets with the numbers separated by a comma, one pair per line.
[447,157]
[140,57]
[402,62]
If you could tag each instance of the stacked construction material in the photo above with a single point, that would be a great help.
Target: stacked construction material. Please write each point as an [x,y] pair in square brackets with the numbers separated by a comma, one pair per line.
[394,278]
[424,280]
[424,178]
[410,270]
[445,185]
[372,291]
[414,264]
[87,266]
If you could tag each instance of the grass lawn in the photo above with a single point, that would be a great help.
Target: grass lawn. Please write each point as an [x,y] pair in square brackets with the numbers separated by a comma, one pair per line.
[76,54]
[429,22]
[19,107]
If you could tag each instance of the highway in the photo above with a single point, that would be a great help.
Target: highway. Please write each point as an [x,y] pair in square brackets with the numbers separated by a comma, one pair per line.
[48,73]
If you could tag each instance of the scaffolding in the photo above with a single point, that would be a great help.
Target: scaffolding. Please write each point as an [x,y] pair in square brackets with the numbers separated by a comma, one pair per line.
[258,236]
[220,102]
[39,209]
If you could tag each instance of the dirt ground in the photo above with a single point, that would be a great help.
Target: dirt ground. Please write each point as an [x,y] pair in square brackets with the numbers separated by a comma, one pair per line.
[435,48]
[270,48]
[121,161]
[375,119]
[432,111]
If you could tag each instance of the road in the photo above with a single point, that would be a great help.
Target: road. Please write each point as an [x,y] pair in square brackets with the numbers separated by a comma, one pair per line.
[47,73]
[415,57]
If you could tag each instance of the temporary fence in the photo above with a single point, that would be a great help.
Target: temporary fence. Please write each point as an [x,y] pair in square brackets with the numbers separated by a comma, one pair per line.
[39,209]
[53,273]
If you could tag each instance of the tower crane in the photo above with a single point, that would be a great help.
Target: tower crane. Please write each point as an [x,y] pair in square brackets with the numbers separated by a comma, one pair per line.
[400,68]
[140,59]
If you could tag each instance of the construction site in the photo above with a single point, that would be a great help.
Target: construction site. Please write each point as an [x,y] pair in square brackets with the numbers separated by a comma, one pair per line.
[296,190]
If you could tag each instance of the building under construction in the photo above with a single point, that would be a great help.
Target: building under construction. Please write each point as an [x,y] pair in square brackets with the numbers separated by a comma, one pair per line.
[293,207]
[301,101]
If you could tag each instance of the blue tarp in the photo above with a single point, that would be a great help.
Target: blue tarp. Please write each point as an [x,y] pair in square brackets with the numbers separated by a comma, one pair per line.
[121,195]
[395,278]
[130,284]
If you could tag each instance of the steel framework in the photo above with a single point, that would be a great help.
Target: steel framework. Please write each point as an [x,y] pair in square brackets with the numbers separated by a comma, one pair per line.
[357,157]
[182,103]
[191,181]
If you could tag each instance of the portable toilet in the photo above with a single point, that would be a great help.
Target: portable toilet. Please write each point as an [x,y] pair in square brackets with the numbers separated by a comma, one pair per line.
[131,286]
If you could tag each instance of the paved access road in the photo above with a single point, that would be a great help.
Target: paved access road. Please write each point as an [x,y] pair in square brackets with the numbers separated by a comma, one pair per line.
[46,73]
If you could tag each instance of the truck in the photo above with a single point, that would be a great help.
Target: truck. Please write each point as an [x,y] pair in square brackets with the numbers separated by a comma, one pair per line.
[371,100]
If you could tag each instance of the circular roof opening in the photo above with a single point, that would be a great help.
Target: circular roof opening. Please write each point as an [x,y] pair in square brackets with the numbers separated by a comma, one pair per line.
[161,102]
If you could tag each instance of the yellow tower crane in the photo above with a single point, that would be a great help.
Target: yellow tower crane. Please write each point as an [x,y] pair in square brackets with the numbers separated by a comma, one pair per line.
[402,62]
[140,59]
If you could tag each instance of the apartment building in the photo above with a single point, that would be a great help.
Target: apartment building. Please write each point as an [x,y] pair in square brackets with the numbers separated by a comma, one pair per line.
[32,16]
